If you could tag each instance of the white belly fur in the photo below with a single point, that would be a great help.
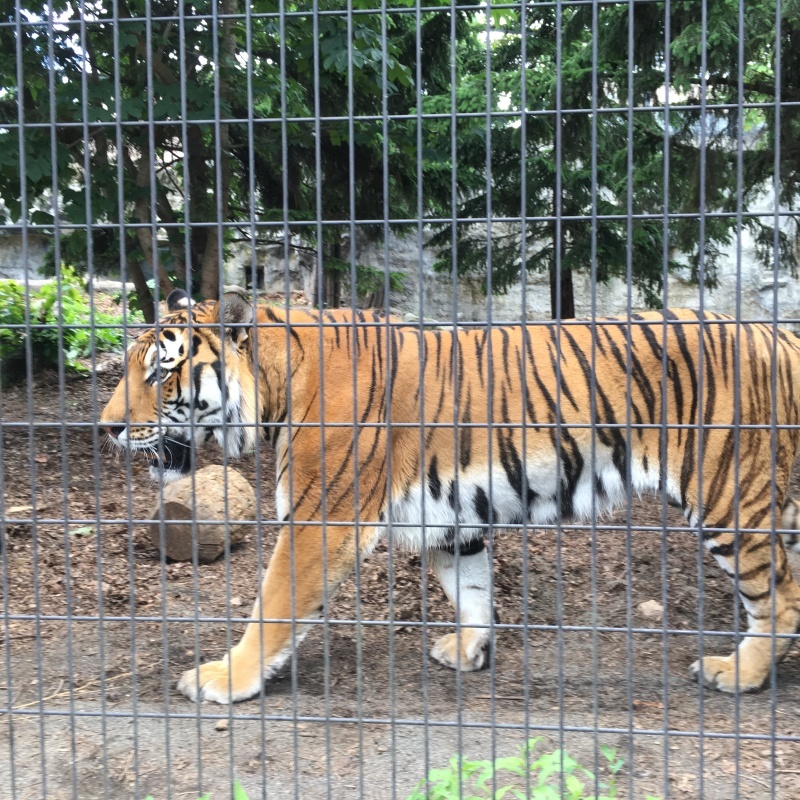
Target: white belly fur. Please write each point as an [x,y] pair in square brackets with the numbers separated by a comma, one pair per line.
[419,520]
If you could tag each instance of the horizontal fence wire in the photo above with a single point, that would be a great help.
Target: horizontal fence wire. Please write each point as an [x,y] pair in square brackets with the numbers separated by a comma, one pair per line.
[479,520]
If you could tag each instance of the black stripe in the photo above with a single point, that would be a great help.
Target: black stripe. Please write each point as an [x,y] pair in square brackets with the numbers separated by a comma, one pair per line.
[465,434]
[470,548]
[434,483]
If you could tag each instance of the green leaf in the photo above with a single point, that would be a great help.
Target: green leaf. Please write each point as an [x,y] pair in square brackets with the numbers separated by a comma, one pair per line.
[511,764]
[614,764]
[126,37]
[41,218]
[36,168]
[238,791]
[85,530]
[574,786]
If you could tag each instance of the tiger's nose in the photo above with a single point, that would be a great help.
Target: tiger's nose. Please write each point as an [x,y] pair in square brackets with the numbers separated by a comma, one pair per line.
[114,430]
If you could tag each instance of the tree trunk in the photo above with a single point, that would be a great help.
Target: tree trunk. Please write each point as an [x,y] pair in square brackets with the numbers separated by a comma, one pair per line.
[329,287]
[147,243]
[197,210]
[175,236]
[143,294]
[328,291]
[567,294]
[210,264]
[209,267]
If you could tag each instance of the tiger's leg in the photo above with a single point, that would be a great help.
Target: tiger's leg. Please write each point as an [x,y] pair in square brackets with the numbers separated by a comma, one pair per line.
[762,604]
[265,647]
[791,522]
[468,589]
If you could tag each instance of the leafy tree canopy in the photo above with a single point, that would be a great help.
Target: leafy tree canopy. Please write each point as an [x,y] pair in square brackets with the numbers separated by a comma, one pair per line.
[136,102]
[167,124]
[612,163]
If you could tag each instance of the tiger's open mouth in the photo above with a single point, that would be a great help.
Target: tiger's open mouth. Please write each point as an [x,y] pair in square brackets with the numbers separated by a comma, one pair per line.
[171,456]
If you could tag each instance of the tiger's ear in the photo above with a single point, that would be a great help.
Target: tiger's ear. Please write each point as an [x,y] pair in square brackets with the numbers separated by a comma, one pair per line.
[178,299]
[236,312]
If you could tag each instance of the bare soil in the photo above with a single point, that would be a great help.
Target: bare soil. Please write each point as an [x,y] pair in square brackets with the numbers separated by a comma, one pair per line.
[361,711]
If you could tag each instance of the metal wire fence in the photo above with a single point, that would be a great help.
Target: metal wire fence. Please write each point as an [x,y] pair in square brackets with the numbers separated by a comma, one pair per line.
[540,467]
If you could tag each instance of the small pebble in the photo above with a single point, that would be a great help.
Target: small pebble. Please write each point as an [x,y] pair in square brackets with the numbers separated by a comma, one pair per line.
[651,609]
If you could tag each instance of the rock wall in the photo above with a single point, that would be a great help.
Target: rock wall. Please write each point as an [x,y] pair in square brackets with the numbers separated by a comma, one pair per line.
[14,263]
[742,280]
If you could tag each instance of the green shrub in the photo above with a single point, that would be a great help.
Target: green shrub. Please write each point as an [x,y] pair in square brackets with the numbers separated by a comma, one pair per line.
[549,776]
[45,309]
[238,793]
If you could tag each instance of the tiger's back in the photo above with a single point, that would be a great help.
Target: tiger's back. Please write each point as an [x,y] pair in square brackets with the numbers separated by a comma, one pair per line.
[589,415]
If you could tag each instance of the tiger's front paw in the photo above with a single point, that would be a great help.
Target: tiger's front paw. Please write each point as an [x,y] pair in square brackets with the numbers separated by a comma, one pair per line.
[472,656]
[720,673]
[217,682]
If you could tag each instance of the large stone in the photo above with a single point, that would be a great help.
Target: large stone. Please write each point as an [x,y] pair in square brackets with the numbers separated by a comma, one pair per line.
[199,509]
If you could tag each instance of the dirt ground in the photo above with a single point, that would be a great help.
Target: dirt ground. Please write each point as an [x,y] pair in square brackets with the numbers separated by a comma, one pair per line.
[361,711]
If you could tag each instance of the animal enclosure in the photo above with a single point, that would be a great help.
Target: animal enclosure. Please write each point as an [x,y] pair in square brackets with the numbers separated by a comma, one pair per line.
[305,544]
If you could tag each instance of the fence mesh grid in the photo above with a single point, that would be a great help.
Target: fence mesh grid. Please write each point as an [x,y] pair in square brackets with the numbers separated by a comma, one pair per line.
[531,465]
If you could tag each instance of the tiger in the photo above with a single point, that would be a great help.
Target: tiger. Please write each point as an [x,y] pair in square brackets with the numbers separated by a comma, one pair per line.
[432,436]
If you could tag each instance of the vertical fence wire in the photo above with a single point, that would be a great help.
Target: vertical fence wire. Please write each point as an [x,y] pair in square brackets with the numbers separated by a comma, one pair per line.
[423,470]
[128,455]
[95,410]
[593,396]
[357,532]
[259,388]
[773,382]
[664,433]
[699,516]
[737,393]
[628,393]
[558,254]
[286,230]
[525,488]
[454,196]
[491,360]
[220,62]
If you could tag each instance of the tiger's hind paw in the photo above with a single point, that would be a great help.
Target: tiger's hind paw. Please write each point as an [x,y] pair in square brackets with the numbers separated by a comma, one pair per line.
[473,654]
[716,672]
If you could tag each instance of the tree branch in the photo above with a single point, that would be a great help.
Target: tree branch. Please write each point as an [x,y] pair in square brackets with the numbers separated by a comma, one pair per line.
[762,87]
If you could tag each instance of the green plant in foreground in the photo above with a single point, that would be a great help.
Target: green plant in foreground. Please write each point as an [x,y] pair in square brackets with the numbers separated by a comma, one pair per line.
[53,308]
[549,776]
[238,793]
[553,776]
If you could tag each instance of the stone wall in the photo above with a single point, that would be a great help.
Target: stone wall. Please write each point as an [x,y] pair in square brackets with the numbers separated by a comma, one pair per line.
[743,280]
[13,263]
[431,293]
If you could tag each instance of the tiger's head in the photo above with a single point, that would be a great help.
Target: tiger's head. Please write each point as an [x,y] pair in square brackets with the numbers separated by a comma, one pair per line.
[187,380]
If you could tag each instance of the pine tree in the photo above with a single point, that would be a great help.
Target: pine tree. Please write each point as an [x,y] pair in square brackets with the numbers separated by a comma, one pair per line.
[612,164]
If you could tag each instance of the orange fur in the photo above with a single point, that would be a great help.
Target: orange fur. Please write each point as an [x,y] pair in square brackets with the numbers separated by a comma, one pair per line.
[347,395]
